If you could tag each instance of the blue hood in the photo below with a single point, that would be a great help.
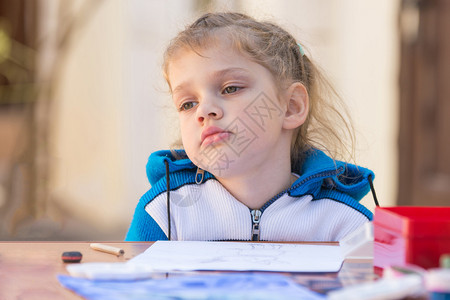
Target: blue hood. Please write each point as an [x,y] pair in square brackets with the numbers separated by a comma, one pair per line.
[320,176]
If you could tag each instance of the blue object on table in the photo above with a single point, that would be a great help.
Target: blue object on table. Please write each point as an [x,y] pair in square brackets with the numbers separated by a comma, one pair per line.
[211,286]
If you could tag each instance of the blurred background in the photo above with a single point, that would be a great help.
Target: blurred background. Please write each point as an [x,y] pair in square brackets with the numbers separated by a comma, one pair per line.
[83,102]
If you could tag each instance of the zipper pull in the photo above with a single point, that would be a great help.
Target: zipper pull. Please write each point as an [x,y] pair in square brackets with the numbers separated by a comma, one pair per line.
[256,218]
[199,175]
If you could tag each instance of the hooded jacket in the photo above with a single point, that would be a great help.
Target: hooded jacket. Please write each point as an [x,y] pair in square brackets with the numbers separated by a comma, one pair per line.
[321,205]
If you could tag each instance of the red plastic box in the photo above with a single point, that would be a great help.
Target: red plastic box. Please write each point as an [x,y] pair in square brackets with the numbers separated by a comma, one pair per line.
[411,235]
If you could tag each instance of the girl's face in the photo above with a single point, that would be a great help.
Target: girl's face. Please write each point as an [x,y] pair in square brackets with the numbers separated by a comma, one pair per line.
[230,115]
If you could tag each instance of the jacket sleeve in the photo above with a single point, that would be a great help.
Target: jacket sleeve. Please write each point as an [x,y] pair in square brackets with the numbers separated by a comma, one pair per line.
[143,227]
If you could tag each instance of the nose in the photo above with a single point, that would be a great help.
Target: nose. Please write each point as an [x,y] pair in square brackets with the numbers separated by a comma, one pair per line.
[209,108]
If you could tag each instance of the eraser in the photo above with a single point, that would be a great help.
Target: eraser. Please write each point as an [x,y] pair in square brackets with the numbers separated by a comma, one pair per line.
[71,256]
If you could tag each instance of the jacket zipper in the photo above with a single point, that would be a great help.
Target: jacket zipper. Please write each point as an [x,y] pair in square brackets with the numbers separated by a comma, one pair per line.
[256,213]
[256,218]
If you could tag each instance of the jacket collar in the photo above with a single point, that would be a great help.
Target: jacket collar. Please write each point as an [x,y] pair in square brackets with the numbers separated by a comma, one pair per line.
[318,172]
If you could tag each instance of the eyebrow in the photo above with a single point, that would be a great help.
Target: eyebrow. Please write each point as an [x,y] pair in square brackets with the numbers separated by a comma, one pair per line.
[215,75]
[227,71]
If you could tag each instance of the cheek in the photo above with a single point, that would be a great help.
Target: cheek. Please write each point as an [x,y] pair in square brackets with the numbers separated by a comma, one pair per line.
[187,136]
[263,122]
[184,133]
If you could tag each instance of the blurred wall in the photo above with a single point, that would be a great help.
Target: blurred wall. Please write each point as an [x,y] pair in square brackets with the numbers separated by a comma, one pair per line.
[113,108]
[87,145]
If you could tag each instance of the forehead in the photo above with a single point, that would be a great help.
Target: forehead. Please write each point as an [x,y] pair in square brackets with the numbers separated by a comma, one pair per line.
[210,53]
[210,58]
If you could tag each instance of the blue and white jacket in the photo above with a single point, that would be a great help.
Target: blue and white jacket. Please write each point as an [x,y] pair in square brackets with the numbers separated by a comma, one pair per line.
[321,205]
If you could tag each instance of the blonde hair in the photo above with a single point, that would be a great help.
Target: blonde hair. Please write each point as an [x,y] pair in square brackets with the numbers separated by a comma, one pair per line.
[327,127]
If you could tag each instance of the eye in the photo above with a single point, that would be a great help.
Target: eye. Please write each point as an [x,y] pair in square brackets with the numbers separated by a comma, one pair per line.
[231,89]
[187,106]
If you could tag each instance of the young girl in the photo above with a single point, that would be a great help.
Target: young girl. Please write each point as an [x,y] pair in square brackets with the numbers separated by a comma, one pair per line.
[253,116]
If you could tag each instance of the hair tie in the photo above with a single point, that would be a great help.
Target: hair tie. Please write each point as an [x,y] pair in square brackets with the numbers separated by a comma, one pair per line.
[302,52]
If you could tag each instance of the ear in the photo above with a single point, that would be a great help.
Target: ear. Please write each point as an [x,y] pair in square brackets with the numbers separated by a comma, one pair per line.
[297,106]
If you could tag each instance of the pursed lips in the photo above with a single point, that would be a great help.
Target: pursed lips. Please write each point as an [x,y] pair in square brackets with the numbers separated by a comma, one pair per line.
[212,135]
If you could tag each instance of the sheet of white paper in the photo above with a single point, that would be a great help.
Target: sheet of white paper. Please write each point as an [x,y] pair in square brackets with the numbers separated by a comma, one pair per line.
[166,256]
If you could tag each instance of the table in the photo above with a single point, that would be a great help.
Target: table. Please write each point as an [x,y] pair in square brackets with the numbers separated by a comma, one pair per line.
[28,270]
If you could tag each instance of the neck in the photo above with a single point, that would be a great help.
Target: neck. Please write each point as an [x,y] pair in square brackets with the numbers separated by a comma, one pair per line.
[255,188]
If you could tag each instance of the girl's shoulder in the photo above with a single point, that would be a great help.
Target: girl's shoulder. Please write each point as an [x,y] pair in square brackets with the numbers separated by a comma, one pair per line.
[334,175]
